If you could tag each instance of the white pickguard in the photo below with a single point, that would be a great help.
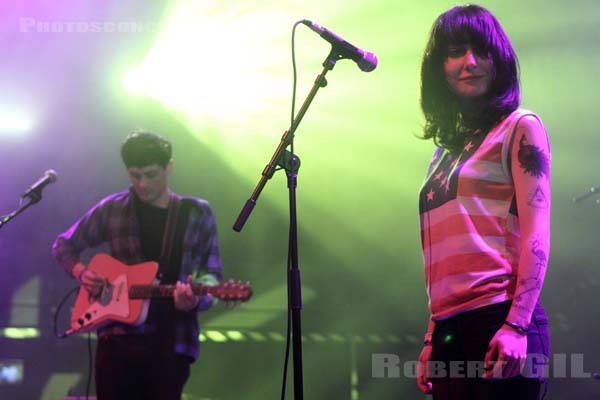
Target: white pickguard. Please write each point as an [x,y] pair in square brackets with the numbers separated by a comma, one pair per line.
[112,301]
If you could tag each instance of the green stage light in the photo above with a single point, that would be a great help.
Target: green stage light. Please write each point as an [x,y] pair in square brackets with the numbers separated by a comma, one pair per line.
[214,63]
[215,336]
[20,333]
[235,336]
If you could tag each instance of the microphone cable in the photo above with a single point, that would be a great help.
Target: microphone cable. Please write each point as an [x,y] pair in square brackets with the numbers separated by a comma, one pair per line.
[62,335]
[289,260]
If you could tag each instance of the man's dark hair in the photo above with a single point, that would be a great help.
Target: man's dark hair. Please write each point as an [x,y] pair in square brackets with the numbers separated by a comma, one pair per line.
[142,148]
[476,26]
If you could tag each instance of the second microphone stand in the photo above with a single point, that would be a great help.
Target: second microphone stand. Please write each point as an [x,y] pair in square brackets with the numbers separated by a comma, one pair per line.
[34,198]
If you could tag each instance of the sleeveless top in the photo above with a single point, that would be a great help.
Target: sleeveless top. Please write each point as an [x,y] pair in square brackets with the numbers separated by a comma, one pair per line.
[469,223]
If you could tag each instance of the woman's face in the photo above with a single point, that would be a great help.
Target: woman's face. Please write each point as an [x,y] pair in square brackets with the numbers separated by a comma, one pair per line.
[468,72]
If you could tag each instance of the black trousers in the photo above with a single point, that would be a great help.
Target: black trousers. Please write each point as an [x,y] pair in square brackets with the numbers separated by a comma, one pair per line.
[459,347]
[139,367]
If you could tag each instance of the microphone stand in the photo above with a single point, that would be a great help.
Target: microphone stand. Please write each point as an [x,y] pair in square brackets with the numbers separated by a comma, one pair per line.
[34,197]
[590,192]
[286,160]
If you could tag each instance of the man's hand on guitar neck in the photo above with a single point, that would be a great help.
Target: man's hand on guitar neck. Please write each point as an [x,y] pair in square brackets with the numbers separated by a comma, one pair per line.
[90,280]
[184,298]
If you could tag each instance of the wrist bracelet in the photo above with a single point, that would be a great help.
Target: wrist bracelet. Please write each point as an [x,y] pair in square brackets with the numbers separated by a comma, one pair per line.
[516,327]
[80,273]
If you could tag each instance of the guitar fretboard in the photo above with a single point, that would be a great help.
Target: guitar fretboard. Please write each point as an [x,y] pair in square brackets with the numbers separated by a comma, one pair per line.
[153,291]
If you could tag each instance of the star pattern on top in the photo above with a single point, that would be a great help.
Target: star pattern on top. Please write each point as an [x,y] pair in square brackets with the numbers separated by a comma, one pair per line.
[430,195]
[468,146]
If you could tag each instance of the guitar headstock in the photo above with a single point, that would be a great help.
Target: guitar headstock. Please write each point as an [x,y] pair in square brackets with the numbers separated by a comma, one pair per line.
[232,291]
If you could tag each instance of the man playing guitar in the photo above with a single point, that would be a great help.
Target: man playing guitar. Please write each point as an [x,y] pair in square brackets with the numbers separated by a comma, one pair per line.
[147,222]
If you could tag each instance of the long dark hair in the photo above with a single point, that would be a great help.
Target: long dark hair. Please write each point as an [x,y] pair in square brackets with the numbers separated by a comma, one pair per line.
[474,25]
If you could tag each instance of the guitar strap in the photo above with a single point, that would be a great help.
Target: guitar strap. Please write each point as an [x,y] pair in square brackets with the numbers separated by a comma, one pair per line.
[170,227]
[170,265]
[172,244]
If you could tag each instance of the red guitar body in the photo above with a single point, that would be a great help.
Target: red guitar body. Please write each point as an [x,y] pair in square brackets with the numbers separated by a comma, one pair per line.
[113,304]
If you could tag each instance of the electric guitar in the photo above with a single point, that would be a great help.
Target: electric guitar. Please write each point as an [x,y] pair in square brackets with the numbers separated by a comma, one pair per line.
[126,295]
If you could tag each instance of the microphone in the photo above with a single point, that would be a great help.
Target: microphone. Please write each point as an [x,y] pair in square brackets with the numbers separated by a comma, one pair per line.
[365,60]
[35,191]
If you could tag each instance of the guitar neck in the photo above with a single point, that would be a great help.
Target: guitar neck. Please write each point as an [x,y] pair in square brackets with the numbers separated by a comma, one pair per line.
[163,291]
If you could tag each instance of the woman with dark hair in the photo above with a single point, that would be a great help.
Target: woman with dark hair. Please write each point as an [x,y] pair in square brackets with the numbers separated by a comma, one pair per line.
[485,216]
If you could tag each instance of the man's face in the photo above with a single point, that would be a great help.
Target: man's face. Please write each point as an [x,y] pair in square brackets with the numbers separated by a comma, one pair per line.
[150,183]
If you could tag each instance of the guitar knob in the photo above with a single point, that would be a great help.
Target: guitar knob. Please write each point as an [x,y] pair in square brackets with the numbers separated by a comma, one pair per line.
[80,321]
[88,316]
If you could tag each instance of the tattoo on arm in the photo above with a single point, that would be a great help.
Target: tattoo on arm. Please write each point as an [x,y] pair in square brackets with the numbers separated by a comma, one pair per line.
[529,284]
[533,283]
[533,160]
[538,199]
[536,243]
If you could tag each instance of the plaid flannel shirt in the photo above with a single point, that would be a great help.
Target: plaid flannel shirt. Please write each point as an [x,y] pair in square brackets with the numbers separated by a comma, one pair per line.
[114,221]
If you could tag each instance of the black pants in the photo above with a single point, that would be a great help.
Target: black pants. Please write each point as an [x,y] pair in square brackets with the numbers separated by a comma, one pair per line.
[459,347]
[138,367]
